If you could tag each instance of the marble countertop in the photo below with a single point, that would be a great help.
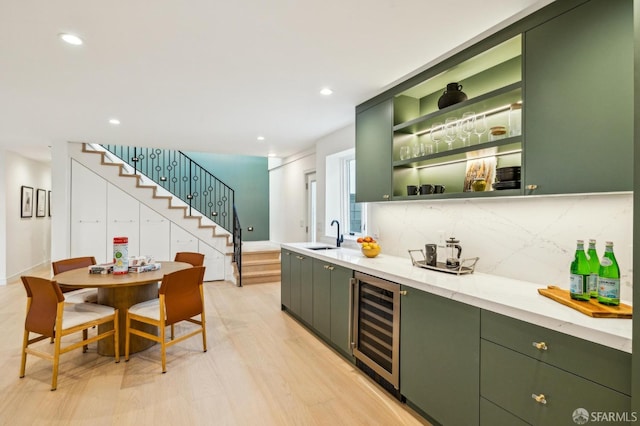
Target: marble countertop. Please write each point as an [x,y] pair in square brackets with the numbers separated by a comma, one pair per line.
[506,296]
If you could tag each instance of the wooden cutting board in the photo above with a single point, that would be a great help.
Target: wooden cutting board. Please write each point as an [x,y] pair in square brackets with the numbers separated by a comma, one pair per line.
[591,308]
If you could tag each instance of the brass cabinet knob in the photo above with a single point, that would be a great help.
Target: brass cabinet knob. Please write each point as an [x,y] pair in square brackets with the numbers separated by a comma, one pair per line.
[300,257]
[532,187]
[540,345]
[386,197]
[541,399]
[331,268]
[403,292]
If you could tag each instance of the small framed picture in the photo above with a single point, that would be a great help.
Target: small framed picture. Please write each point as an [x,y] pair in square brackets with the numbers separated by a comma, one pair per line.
[49,203]
[41,202]
[26,202]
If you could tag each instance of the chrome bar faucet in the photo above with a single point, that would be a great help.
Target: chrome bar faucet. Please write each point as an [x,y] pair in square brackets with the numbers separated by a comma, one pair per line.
[339,237]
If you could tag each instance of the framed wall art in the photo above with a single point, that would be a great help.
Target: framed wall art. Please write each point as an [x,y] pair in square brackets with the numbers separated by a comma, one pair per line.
[26,201]
[49,203]
[41,202]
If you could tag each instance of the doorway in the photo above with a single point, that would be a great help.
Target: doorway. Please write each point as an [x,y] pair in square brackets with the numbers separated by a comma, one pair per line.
[311,188]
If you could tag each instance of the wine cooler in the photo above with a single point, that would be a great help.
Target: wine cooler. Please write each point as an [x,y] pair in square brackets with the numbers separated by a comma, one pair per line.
[376,329]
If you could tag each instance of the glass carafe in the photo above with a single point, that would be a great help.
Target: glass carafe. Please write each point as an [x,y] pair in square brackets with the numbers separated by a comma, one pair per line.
[454,250]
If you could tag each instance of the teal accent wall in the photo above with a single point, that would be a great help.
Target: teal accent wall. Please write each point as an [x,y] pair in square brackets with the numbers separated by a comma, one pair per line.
[248,176]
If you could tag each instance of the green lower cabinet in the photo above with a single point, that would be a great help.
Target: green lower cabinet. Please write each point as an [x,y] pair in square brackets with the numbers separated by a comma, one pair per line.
[541,394]
[285,279]
[440,357]
[301,287]
[322,298]
[492,415]
[331,296]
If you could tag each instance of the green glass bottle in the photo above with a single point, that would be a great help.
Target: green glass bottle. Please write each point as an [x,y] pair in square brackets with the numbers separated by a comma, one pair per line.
[594,266]
[579,274]
[609,278]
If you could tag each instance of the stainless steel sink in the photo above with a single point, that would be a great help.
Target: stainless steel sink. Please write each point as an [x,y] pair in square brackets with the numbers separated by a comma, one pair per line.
[322,248]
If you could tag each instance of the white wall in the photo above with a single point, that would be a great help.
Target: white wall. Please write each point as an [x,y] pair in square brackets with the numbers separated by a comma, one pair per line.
[530,238]
[28,240]
[288,197]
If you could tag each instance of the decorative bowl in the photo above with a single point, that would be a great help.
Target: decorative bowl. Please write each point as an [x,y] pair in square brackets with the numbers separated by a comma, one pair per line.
[371,252]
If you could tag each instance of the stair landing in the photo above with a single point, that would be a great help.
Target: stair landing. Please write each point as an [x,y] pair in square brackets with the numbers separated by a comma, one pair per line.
[260,262]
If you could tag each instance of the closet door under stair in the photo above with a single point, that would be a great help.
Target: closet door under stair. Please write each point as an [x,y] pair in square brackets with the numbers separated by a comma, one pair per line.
[88,214]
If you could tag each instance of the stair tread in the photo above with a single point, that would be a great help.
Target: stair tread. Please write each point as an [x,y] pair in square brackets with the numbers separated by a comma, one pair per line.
[260,273]
[246,262]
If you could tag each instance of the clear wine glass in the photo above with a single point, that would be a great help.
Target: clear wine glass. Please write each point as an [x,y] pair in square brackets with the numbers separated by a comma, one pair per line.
[450,131]
[466,126]
[480,127]
[436,135]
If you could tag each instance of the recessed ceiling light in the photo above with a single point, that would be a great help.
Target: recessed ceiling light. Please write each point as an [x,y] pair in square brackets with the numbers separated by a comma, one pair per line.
[260,138]
[114,121]
[271,155]
[326,91]
[71,39]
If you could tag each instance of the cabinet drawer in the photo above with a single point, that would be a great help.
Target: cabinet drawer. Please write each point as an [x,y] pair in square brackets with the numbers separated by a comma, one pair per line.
[511,380]
[604,365]
[492,415]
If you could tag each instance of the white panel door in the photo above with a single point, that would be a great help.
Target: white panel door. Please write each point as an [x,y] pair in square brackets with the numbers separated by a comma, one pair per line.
[182,240]
[155,234]
[123,219]
[88,213]
[214,262]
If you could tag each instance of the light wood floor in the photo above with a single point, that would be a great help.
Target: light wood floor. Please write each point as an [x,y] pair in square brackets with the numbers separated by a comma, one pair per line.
[262,368]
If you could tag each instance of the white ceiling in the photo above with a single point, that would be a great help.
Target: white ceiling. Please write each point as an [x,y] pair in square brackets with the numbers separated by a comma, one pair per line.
[208,75]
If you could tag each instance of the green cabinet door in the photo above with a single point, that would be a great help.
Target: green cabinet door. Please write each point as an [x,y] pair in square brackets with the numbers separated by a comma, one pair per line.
[285,279]
[374,146]
[296,288]
[440,357]
[306,289]
[341,309]
[578,100]
[322,298]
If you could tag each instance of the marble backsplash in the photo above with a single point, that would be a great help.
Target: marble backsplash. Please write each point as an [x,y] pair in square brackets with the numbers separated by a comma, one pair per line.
[529,238]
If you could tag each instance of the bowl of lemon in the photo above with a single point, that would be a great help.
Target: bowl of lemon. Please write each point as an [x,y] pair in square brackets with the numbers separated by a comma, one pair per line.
[369,246]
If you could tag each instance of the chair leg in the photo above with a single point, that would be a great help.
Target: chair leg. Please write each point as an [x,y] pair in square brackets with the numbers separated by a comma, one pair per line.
[23,362]
[56,363]
[127,336]
[172,334]
[163,349]
[85,336]
[204,335]
[116,336]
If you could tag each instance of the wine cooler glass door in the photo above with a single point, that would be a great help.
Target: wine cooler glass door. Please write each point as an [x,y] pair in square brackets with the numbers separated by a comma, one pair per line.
[377,326]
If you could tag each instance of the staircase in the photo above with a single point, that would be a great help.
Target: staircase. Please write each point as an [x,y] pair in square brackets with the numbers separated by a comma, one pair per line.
[161,200]
[260,262]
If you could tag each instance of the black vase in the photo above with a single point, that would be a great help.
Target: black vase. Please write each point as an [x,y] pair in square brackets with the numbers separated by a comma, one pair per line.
[452,95]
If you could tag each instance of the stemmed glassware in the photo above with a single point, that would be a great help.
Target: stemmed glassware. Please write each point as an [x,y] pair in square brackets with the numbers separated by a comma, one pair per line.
[436,135]
[450,131]
[466,126]
[480,126]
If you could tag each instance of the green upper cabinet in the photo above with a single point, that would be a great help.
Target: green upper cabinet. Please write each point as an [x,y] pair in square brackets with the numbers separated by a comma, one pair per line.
[578,115]
[374,135]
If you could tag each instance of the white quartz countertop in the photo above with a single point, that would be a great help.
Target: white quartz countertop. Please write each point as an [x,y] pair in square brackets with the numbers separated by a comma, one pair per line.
[506,296]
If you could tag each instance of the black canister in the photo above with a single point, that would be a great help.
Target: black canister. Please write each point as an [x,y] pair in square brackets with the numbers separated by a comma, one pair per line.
[452,95]
[431,254]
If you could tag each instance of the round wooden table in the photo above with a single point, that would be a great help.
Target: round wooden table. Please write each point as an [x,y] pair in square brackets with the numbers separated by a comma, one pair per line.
[121,292]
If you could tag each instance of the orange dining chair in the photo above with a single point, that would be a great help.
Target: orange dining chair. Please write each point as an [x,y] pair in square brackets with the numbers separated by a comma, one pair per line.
[82,295]
[195,259]
[181,299]
[48,316]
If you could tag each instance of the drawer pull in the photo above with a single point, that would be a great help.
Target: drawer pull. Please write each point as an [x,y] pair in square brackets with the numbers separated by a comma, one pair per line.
[300,257]
[331,268]
[326,266]
[539,398]
[541,345]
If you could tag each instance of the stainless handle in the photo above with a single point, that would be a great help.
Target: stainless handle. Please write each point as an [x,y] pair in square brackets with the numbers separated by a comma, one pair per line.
[540,345]
[352,343]
[541,399]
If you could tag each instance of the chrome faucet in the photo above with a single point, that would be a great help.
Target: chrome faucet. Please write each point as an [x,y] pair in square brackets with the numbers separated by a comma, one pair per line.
[339,237]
